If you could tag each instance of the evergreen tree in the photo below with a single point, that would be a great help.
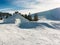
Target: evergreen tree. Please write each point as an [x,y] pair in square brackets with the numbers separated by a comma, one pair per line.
[16,12]
[36,17]
[29,17]
[22,15]
[26,16]
[4,15]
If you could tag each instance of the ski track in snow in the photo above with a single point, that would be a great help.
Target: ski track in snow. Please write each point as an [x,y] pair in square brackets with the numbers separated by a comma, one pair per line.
[10,34]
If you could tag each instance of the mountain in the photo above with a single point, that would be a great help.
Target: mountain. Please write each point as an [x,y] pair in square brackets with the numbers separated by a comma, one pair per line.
[53,14]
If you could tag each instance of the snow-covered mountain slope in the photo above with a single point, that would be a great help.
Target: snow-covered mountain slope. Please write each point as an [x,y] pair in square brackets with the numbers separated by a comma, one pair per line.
[10,34]
[53,14]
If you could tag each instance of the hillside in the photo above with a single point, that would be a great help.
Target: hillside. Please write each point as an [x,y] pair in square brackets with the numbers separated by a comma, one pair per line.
[53,14]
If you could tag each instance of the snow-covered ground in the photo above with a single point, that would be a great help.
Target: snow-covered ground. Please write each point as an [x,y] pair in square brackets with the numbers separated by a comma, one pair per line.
[46,31]
[10,34]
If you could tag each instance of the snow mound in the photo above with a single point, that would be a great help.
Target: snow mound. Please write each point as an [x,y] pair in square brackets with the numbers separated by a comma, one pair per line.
[15,18]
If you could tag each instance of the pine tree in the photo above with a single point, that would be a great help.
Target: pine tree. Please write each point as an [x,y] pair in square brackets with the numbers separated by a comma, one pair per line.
[29,17]
[22,15]
[16,12]
[26,16]
[36,17]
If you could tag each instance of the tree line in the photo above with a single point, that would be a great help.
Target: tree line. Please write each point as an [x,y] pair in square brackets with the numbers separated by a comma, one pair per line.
[29,17]
[4,15]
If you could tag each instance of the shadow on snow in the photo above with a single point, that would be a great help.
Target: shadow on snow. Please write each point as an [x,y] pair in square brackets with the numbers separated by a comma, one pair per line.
[34,25]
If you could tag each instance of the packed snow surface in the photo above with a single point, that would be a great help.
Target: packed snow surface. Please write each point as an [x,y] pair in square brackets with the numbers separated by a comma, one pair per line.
[11,34]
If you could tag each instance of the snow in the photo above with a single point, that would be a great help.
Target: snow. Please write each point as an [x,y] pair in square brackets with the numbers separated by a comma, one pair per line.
[15,18]
[19,31]
[53,14]
[10,34]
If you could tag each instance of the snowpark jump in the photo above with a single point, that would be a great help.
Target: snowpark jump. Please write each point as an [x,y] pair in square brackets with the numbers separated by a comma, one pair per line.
[15,18]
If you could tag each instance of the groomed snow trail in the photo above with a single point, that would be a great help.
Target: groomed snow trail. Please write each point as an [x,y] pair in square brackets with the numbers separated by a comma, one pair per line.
[10,34]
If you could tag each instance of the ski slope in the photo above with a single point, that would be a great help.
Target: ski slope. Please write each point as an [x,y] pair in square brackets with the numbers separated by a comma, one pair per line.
[10,34]
[53,14]
[45,31]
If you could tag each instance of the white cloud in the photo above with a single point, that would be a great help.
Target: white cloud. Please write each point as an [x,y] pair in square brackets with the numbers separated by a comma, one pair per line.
[7,10]
[35,5]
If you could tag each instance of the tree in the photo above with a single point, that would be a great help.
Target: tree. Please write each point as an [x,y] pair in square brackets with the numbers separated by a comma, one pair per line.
[22,15]
[36,17]
[16,12]
[7,15]
[26,16]
[4,15]
[29,17]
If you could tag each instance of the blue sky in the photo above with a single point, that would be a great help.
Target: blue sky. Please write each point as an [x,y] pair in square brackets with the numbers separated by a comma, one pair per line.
[28,5]
[8,4]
